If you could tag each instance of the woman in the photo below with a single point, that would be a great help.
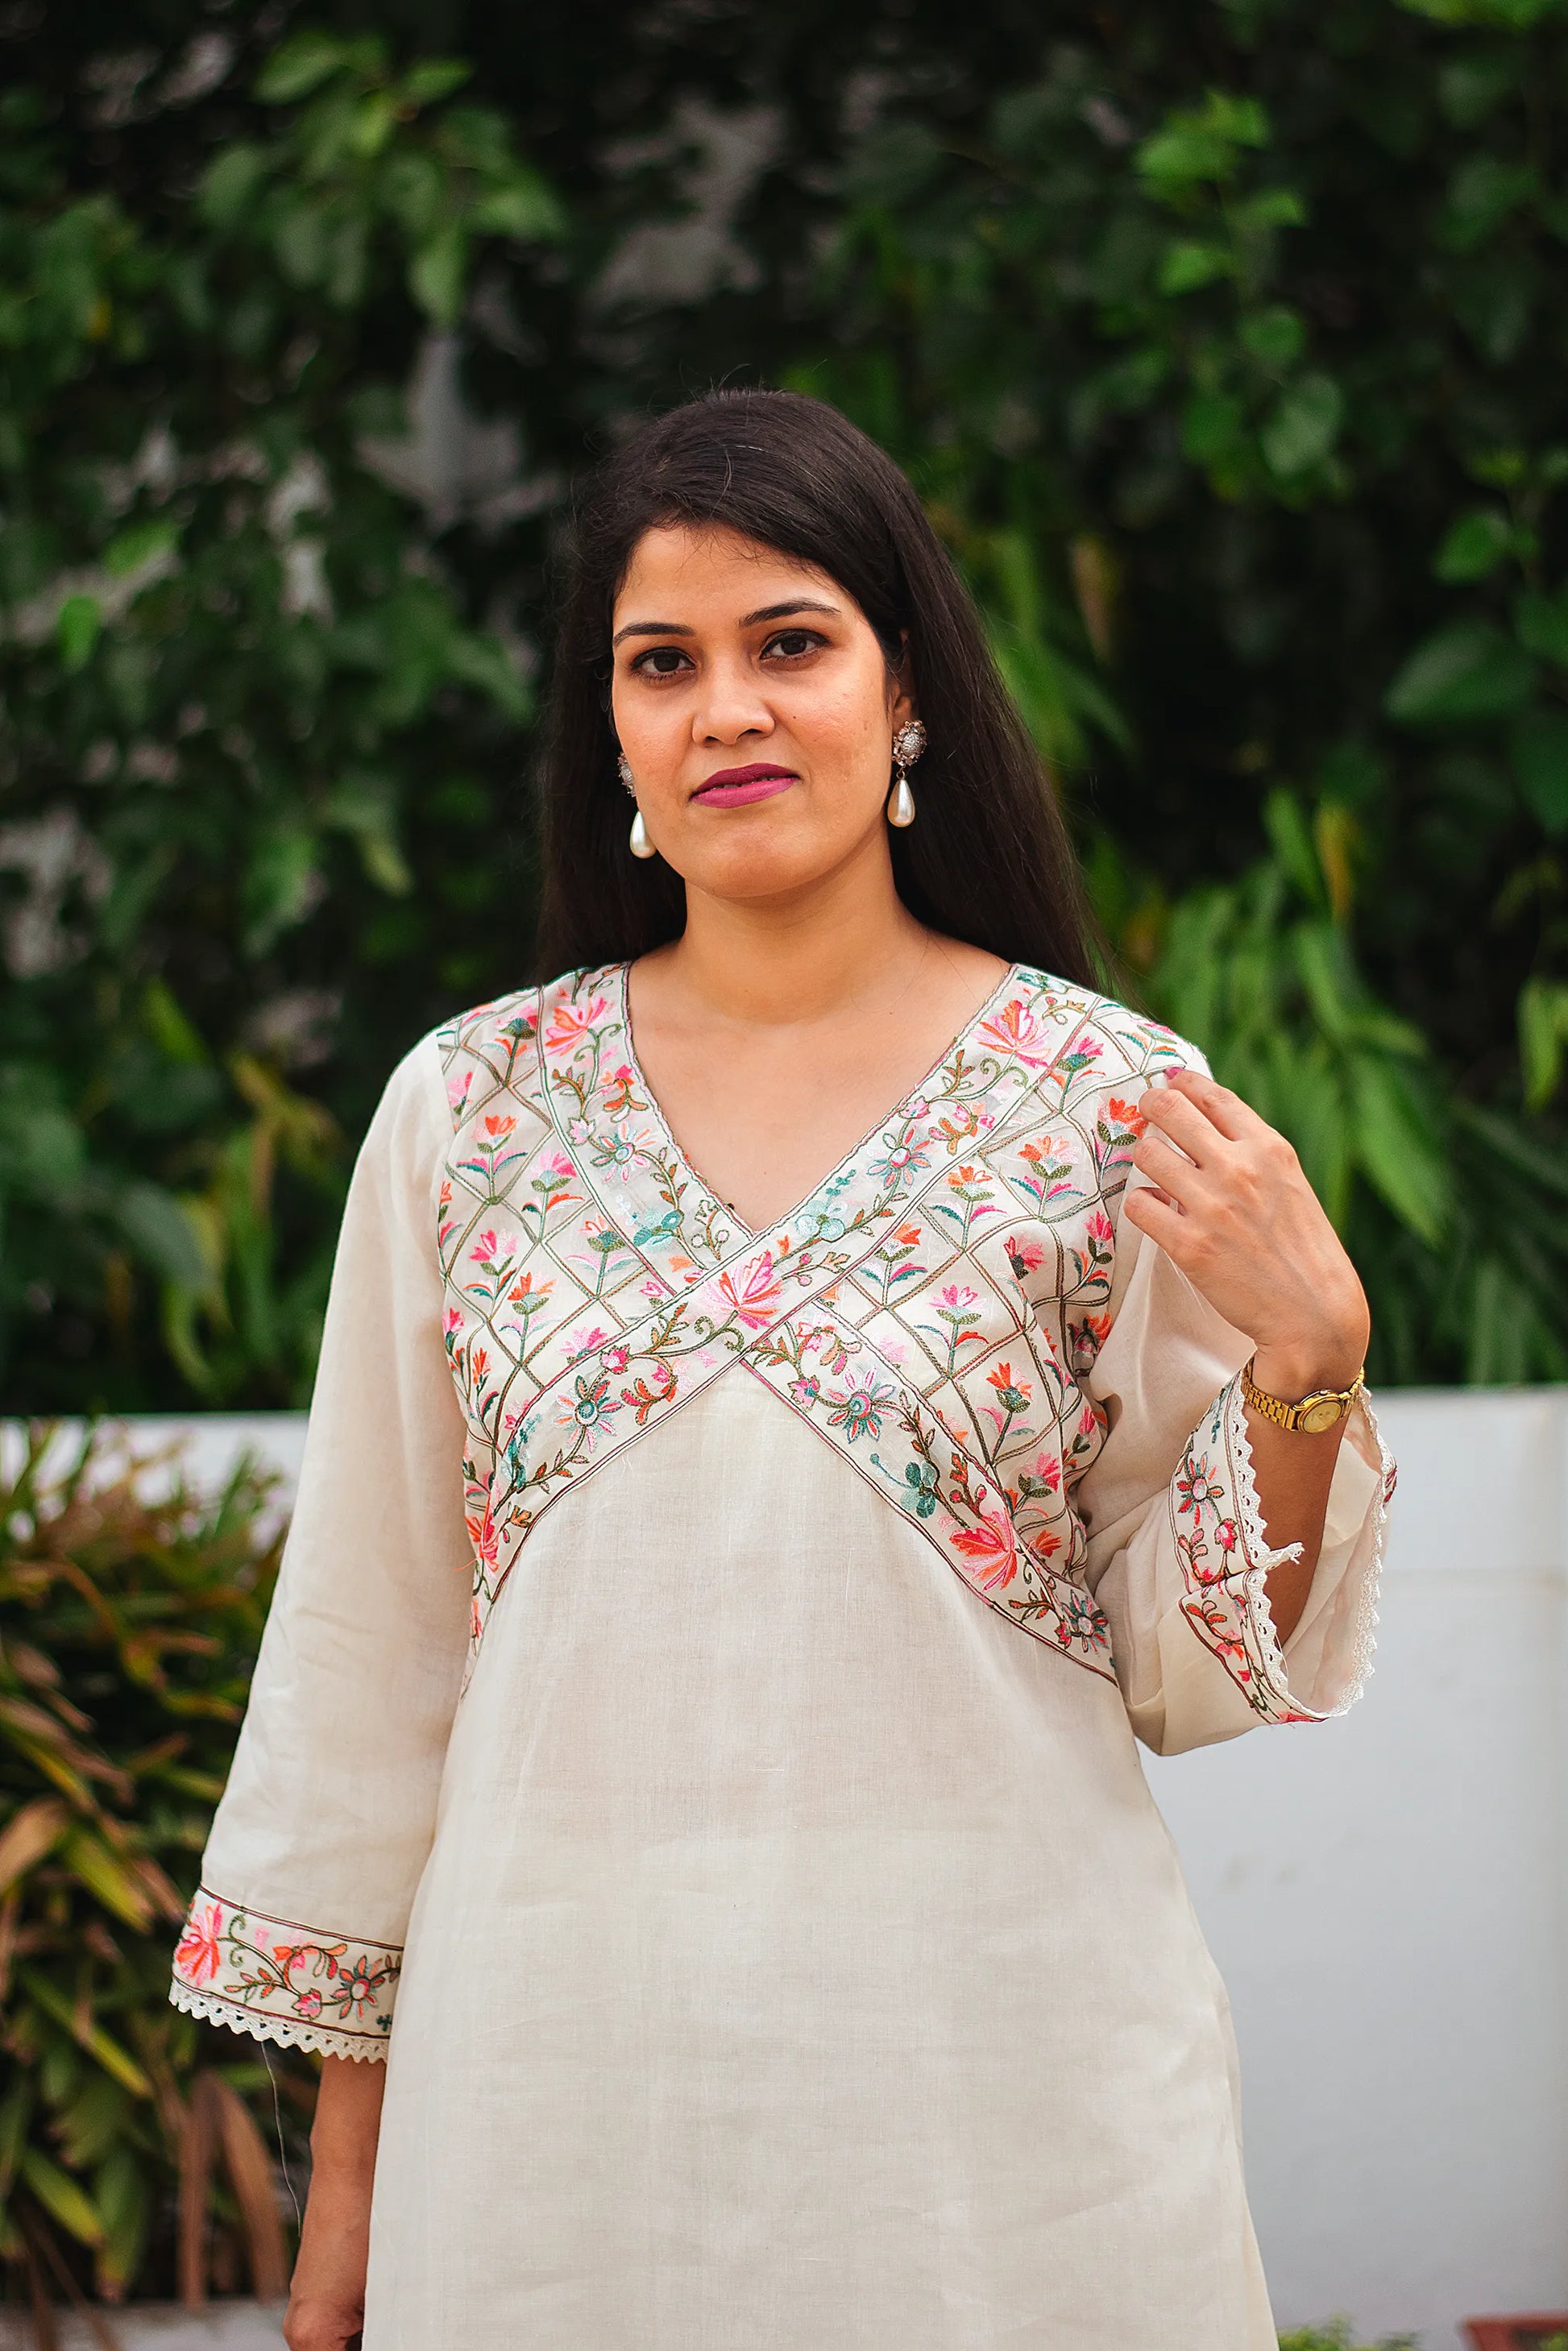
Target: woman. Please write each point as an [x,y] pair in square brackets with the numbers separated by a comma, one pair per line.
[704,1688]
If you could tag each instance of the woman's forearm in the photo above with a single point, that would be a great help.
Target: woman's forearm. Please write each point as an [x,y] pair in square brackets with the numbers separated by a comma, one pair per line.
[327,2300]
[1293,1471]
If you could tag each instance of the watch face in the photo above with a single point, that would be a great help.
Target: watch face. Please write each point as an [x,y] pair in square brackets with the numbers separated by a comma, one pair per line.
[1321,1414]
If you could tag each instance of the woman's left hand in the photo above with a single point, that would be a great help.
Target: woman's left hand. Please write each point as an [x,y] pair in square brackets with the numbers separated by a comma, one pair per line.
[1239,1219]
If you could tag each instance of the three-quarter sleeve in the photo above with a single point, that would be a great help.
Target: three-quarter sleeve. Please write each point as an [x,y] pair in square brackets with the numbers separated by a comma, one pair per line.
[319,1839]
[1177,1555]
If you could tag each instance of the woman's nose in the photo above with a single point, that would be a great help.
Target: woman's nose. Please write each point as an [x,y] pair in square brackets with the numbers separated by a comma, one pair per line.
[730,707]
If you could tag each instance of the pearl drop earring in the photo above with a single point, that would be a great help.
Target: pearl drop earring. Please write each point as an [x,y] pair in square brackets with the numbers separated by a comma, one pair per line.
[907,744]
[638,841]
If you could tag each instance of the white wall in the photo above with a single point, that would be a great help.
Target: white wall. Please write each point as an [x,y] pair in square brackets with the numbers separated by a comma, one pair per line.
[1387,1897]
[1386,1894]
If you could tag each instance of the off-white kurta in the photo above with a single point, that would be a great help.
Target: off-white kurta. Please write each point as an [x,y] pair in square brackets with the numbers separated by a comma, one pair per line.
[702,1691]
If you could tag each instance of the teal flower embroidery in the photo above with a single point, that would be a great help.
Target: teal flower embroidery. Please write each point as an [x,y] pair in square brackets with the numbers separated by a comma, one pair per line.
[858,1412]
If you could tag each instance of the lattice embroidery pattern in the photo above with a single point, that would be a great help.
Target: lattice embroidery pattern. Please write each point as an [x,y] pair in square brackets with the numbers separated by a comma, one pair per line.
[928,1310]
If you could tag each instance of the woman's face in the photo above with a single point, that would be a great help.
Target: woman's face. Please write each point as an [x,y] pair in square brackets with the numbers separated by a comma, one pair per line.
[754,706]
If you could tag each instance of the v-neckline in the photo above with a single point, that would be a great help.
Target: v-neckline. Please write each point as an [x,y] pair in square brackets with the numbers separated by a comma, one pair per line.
[748,1234]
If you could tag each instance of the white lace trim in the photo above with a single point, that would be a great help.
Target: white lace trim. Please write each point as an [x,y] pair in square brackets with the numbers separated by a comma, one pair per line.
[1253,1578]
[324,2039]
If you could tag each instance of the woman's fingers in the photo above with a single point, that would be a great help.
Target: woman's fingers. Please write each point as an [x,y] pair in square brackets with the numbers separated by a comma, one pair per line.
[1236,1120]
[1172,1115]
[1155,1213]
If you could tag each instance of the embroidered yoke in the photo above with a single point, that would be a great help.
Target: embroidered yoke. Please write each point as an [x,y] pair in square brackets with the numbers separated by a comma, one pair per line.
[929,1309]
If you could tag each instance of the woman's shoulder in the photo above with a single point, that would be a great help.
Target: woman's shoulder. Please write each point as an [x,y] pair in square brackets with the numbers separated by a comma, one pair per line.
[525,1013]
[1105,1042]
[497,1043]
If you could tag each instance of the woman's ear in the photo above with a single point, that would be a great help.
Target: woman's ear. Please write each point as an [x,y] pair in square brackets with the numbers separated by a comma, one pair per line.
[902,706]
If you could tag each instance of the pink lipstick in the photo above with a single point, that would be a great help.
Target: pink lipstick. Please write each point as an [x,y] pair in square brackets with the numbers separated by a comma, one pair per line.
[738,786]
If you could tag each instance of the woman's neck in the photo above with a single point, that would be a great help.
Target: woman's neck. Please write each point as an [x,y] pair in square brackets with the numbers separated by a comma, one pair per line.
[759,965]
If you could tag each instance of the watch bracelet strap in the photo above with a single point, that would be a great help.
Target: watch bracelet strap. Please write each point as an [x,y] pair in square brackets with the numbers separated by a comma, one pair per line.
[1286,1414]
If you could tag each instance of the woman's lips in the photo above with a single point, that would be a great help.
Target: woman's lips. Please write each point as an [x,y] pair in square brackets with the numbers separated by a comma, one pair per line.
[737,786]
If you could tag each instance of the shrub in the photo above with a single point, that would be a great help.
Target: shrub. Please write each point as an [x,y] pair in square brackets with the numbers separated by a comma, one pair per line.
[1338,2335]
[129,1628]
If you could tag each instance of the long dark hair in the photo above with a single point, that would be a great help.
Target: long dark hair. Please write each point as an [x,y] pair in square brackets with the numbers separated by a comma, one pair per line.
[988,858]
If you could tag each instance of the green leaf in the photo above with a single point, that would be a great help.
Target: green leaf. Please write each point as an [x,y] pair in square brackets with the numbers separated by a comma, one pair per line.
[280,885]
[1474,545]
[1276,336]
[1539,743]
[437,274]
[299,65]
[523,207]
[78,626]
[59,2196]
[1304,426]
[87,2035]
[1188,266]
[364,807]
[139,543]
[1511,16]
[438,78]
[161,1234]
[481,662]
[1542,1039]
[1213,429]
[1271,208]
[374,121]
[124,2201]
[1292,840]
[1199,144]
[1400,1156]
[1469,671]
[1542,625]
[1482,192]
[232,184]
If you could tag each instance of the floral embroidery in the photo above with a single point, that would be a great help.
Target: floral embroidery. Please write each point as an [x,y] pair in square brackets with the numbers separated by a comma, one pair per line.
[928,1310]
[1226,1557]
[285,1983]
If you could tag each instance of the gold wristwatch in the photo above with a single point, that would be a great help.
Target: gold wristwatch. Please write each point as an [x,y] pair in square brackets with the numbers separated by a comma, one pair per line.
[1312,1414]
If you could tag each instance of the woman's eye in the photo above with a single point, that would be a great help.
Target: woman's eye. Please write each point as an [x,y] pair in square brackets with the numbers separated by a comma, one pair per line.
[662,661]
[791,642]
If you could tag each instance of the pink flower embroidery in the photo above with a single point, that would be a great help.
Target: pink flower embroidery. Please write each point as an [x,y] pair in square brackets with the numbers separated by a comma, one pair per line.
[1018,1031]
[756,1301]
[197,1956]
[571,1023]
[991,1544]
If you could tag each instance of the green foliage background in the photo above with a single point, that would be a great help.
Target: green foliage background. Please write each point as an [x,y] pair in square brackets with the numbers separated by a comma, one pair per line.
[1225,344]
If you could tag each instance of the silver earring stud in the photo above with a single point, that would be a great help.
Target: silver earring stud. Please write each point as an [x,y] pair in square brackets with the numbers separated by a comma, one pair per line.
[640,845]
[907,744]
[623,770]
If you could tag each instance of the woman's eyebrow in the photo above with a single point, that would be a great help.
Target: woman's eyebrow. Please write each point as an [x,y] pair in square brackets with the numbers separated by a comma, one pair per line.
[653,629]
[782,611]
[747,620]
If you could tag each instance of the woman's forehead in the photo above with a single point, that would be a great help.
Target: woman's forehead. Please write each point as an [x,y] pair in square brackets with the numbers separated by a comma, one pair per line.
[713,566]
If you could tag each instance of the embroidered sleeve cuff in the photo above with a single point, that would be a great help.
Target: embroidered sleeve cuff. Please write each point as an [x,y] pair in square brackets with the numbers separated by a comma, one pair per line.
[1225,1562]
[279,1981]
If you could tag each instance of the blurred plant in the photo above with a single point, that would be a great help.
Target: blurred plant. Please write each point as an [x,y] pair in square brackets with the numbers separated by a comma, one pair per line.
[129,1628]
[1340,2336]
[231,680]
[1126,341]
[1227,365]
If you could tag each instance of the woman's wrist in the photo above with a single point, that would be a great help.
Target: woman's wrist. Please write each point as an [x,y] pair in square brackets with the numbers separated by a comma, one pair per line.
[1292,1369]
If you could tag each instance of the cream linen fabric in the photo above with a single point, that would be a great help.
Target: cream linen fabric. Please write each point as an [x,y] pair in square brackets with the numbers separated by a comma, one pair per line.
[795,1958]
